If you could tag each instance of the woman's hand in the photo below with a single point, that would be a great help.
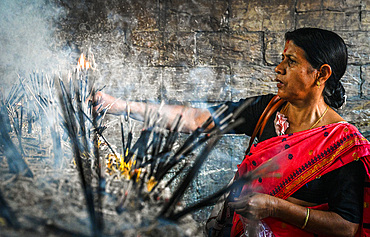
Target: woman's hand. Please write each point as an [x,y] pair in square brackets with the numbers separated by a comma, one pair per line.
[258,206]
[102,101]
[254,206]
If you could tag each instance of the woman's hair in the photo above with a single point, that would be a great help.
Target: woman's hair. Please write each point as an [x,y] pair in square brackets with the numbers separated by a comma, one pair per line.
[324,47]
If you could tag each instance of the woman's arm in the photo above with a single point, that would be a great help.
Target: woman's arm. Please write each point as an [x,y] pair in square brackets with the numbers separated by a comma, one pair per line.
[259,206]
[192,117]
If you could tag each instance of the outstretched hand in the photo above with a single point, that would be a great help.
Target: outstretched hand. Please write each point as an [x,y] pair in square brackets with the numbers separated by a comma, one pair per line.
[102,101]
[254,206]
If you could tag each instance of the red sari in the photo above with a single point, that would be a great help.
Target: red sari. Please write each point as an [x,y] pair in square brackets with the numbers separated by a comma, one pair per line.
[301,158]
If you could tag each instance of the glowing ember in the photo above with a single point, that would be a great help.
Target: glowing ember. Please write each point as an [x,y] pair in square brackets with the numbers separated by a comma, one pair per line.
[125,171]
[83,63]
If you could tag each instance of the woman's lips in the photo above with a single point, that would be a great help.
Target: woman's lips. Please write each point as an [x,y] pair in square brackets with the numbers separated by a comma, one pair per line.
[279,83]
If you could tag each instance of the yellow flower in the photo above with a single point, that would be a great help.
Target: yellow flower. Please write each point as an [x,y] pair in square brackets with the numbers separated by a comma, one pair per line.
[151,183]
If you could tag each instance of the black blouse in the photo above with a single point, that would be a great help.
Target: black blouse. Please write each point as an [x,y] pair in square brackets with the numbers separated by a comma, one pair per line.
[342,188]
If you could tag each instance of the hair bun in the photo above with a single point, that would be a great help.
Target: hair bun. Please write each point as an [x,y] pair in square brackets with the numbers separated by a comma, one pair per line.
[334,94]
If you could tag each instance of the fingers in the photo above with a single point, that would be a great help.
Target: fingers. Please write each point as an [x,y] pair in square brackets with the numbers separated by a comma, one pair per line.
[102,98]
[242,208]
[242,205]
[238,203]
[98,97]
[252,206]
[99,101]
[105,103]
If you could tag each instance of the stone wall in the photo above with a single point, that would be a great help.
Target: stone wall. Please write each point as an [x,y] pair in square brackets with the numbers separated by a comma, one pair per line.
[203,52]
[209,51]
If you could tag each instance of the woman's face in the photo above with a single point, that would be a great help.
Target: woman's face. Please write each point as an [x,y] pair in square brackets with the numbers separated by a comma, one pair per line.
[295,76]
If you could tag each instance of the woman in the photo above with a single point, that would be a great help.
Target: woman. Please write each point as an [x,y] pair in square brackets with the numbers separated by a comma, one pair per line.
[313,145]
[313,61]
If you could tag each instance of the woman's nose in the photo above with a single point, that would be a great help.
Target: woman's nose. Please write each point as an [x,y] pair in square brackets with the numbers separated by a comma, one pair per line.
[279,69]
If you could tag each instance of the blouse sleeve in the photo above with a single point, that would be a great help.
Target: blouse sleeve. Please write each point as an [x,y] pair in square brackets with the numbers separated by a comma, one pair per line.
[342,189]
[346,189]
[252,109]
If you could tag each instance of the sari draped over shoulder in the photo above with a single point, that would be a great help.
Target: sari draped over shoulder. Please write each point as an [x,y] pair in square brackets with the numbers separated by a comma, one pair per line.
[302,157]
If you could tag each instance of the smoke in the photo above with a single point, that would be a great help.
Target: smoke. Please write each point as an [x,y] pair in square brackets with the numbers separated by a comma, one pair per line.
[49,35]
[27,40]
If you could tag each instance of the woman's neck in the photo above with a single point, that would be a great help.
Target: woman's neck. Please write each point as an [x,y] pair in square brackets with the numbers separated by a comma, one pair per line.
[306,115]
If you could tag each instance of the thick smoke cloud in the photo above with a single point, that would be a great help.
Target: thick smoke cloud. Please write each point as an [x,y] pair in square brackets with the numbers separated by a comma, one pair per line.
[27,39]
[50,35]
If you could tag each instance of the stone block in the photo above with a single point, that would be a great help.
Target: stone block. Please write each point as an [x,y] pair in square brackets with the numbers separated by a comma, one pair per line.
[365,5]
[274,46]
[217,171]
[262,15]
[357,109]
[365,86]
[245,15]
[357,112]
[358,46]
[201,15]
[279,17]
[222,162]
[314,5]
[351,81]
[365,20]
[147,16]
[251,80]
[147,45]
[224,48]
[341,5]
[136,83]
[308,5]
[196,84]
[178,49]
[330,20]
[144,15]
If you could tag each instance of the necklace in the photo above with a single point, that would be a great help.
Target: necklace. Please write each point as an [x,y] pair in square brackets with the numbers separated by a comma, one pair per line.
[285,109]
[323,114]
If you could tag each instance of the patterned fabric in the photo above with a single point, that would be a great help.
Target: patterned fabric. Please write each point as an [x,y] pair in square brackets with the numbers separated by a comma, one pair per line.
[302,157]
[281,124]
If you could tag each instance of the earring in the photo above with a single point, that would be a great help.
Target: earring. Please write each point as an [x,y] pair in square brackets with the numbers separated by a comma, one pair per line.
[318,84]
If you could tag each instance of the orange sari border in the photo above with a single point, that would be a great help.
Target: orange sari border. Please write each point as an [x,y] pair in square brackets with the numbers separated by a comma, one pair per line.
[316,166]
[305,155]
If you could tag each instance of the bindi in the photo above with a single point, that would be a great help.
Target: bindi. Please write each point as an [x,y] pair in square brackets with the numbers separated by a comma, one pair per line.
[287,42]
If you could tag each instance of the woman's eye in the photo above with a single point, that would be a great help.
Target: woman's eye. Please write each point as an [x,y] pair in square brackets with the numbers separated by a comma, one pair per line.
[290,61]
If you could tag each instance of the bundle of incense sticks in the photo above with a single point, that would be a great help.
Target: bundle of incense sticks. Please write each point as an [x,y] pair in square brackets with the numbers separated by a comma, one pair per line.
[155,158]
[74,120]
[148,166]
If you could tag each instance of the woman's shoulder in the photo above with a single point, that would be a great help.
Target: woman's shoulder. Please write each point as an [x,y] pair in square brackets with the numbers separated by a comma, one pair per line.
[333,117]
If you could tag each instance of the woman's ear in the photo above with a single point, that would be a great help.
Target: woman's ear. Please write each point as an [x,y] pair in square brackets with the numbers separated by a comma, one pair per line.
[324,73]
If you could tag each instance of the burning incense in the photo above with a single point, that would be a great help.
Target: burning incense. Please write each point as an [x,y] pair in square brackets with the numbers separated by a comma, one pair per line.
[14,158]
[132,183]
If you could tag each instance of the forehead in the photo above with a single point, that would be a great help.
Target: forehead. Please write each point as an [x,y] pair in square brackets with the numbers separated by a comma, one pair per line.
[292,49]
